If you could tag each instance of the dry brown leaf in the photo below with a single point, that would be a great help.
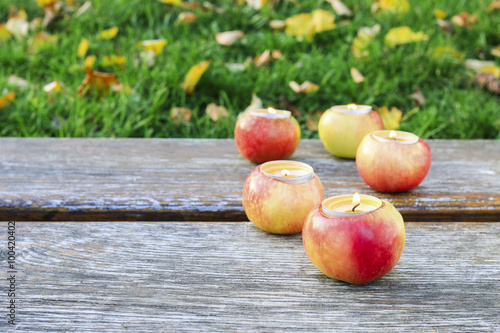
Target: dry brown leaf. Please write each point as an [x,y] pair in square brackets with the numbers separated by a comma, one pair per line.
[306,87]
[390,118]
[17,23]
[17,81]
[277,24]
[464,19]
[356,75]
[51,11]
[101,83]
[488,81]
[494,5]
[4,100]
[228,38]
[194,75]
[419,97]
[180,115]
[215,112]
[276,54]
[187,17]
[403,35]
[340,8]
[445,25]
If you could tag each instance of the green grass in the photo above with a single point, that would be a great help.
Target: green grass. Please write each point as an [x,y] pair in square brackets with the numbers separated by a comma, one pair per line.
[455,107]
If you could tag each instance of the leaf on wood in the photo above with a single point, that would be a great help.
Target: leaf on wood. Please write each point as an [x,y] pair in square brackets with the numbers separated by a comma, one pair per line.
[179,115]
[488,81]
[101,83]
[440,14]
[40,41]
[305,88]
[494,5]
[4,33]
[82,48]
[228,38]
[89,61]
[277,24]
[356,75]
[215,111]
[17,81]
[340,8]
[4,100]
[312,120]
[187,17]
[447,52]
[364,37]
[114,60]
[109,33]
[391,118]
[496,51]
[256,4]
[83,9]
[306,25]
[155,45]
[51,11]
[418,96]
[255,104]
[464,19]
[17,24]
[394,6]
[194,75]
[403,35]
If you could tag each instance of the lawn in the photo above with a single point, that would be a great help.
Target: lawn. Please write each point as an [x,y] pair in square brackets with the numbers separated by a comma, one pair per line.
[436,68]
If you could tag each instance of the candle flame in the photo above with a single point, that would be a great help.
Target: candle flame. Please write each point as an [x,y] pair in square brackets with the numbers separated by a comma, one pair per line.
[392,134]
[352,106]
[356,199]
[285,172]
[271,110]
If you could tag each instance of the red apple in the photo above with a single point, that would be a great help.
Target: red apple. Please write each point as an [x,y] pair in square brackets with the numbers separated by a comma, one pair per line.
[276,206]
[393,165]
[357,249]
[261,138]
[341,131]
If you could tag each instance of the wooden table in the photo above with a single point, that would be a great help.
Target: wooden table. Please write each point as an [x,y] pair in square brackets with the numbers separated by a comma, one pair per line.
[194,263]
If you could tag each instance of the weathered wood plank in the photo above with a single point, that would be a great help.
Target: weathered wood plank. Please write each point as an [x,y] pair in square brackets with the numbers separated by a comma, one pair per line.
[202,180]
[213,277]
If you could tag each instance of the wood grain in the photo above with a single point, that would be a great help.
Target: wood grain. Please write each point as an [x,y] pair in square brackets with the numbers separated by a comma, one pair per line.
[213,277]
[202,180]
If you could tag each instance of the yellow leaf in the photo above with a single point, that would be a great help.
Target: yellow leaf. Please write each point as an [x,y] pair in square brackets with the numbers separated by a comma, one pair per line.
[449,52]
[52,87]
[82,48]
[228,38]
[109,33]
[180,114]
[395,6]
[323,20]
[256,4]
[42,40]
[172,2]
[215,112]
[187,17]
[390,118]
[4,33]
[495,70]
[356,75]
[114,60]
[496,51]
[18,22]
[155,45]
[89,61]
[4,100]
[300,26]
[364,37]
[194,75]
[101,83]
[403,35]
[43,3]
[306,87]
[439,14]
[277,24]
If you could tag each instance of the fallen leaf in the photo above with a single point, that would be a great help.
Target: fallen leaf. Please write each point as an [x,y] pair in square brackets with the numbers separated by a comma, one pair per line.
[419,97]
[323,20]
[481,66]
[494,5]
[194,75]
[101,83]
[235,67]
[312,120]
[109,33]
[52,87]
[255,104]
[464,19]
[155,45]
[215,112]
[43,3]
[364,37]
[356,75]
[4,100]
[82,48]
[256,4]
[447,52]
[17,81]
[440,14]
[445,25]
[114,60]
[395,6]
[306,87]
[51,12]
[83,9]
[89,61]
[41,41]
[180,115]
[306,25]
[187,17]
[488,81]
[228,38]
[390,118]
[403,35]
[496,51]
[173,2]
[340,8]
[277,24]
[148,57]
[286,105]
[4,33]
[36,24]
[17,23]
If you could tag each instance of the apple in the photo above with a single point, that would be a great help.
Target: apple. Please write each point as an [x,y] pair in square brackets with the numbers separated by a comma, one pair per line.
[393,165]
[277,206]
[341,129]
[357,249]
[262,136]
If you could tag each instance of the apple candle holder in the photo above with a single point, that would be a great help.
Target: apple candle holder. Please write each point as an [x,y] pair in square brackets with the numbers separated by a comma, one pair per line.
[342,127]
[356,239]
[393,161]
[266,134]
[278,195]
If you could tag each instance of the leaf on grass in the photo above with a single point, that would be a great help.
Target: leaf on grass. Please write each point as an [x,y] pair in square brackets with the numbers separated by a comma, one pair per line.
[447,52]
[114,60]
[101,83]
[17,23]
[43,3]
[155,45]
[488,81]
[215,112]
[445,25]
[394,6]
[179,115]
[323,20]
[340,8]
[4,100]
[356,75]
[109,33]
[494,5]
[51,11]
[256,4]
[4,33]
[194,75]
[305,88]
[187,17]
[17,81]
[440,14]
[52,87]
[82,48]
[228,38]
[464,19]
[255,104]
[306,25]
[41,41]
[496,51]
[312,120]
[391,118]
[89,61]
[419,97]
[266,57]
[364,37]
[277,24]
[482,66]
[83,9]
[173,2]
[403,35]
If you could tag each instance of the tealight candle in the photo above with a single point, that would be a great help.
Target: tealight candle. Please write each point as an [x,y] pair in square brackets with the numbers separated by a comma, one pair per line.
[357,247]
[342,127]
[393,161]
[278,195]
[266,134]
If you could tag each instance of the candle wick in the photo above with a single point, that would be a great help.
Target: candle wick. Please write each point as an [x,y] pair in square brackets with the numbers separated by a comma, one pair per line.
[353,208]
